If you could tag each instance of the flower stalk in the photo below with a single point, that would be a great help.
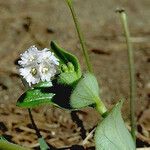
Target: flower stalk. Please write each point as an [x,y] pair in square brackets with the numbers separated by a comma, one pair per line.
[99,105]
[43,144]
[80,35]
[34,125]
[131,72]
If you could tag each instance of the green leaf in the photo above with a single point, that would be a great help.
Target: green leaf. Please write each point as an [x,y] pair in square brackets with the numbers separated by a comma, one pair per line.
[4,145]
[112,134]
[71,75]
[86,92]
[35,97]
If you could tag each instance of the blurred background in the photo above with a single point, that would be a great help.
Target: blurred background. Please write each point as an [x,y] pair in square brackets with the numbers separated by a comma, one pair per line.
[28,22]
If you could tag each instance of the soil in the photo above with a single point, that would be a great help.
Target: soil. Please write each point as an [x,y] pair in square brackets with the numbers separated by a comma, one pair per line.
[25,23]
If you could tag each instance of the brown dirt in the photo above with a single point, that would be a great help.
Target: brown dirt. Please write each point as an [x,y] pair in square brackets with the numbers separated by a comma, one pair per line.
[25,23]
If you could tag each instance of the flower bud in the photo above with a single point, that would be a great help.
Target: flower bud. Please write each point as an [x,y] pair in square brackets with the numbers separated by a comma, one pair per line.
[70,67]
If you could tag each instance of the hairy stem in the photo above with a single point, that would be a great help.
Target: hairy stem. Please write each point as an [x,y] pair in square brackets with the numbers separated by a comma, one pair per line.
[34,125]
[80,35]
[131,72]
[30,114]
[43,144]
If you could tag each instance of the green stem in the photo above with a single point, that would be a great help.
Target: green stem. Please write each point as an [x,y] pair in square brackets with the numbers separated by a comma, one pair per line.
[4,145]
[131,71]
[80,35]
[100,107]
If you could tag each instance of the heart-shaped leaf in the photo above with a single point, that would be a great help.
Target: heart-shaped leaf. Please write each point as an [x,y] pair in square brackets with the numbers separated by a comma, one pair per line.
[35,97]
[112,134]
[86,92]
[70,76]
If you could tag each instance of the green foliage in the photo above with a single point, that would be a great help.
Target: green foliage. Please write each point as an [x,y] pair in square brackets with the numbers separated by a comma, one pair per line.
[112,134]
[71,71]
[35,97]
[4,145]
[86,92]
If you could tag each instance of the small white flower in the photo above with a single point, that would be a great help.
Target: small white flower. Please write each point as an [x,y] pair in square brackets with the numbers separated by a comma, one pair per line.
[29,57]
[38,65]
[47,56]
[47,71]
[31,74]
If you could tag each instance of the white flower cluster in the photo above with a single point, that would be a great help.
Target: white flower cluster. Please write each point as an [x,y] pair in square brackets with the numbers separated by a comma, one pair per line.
[38,65]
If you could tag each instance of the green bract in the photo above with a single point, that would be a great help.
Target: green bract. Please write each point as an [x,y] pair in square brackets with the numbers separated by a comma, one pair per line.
[71,71]
[112,134]
[86,92]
